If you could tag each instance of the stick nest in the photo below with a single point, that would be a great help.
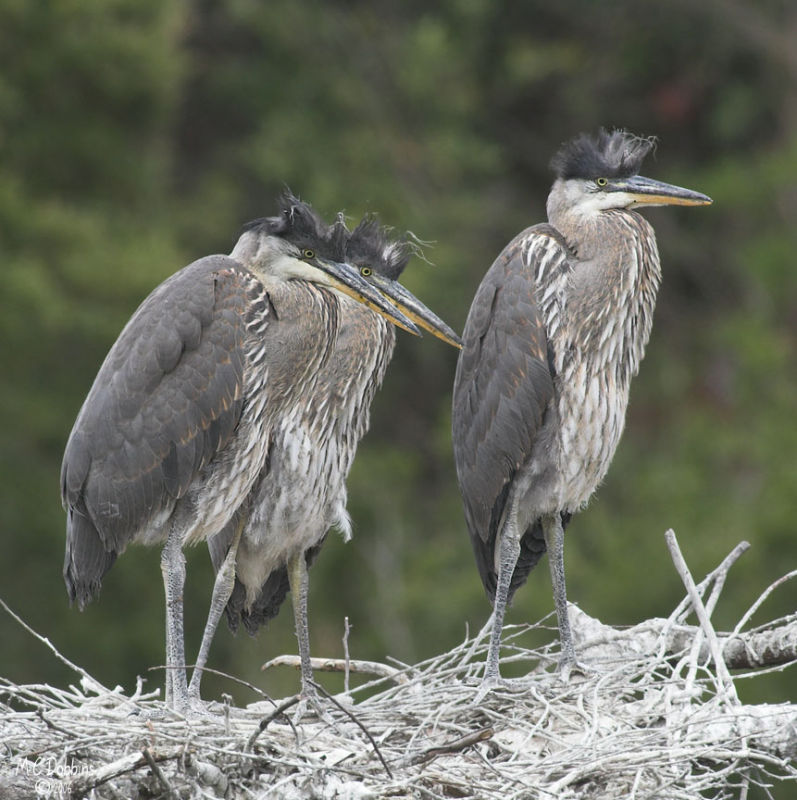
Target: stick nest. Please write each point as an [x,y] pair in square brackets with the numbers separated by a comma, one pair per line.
[661,724]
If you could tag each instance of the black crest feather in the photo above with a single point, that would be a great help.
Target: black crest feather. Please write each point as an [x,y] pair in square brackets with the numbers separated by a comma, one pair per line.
[615,154]
[296,221]
[371,245]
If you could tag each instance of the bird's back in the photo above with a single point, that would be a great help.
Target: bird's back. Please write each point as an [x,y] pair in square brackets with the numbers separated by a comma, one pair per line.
[162,431]
[503,390]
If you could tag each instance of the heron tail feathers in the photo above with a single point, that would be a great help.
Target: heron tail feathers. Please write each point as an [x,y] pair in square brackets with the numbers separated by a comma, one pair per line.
[86,559]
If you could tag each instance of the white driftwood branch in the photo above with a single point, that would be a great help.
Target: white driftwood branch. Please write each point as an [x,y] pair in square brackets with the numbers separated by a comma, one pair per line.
[770,647]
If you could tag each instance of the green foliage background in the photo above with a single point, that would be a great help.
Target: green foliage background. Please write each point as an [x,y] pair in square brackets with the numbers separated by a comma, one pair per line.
[138,135]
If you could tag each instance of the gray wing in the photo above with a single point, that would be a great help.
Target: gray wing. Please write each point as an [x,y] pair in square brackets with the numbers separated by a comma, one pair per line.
[166,399]
[502,388]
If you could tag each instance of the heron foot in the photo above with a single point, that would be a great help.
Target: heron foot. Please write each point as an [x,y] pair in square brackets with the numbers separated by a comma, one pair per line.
[569,666]
[311,702]
[492,682]
[193,708]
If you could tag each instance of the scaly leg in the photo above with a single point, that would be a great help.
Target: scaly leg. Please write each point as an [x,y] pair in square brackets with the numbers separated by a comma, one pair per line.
[297,576]
[222,589]
[554,542]
[509,550]
[299,582]
[173,569]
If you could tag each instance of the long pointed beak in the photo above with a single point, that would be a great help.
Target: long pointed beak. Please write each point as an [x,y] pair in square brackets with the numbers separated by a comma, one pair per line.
[347,279]
[648,192]
[410,305]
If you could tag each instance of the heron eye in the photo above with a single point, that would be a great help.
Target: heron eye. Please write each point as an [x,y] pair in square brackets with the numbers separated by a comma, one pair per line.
[601,181]
[307,253]
[365,272]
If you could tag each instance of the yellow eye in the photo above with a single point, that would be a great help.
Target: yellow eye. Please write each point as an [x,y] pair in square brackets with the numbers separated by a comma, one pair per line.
[601,181]
[307,253]
[365,272]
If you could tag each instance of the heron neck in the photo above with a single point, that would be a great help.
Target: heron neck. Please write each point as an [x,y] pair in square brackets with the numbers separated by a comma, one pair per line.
[613,284]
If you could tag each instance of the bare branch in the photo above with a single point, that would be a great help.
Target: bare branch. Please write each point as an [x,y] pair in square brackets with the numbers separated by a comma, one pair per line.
[115,769]
[51,647]
[773,647]
[726,682]
[354,719]
[156,771]
[346,659]
[340,665]
[452,747]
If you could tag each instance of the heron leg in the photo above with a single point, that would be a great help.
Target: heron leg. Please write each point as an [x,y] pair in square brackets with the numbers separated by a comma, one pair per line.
[298,578]
[173,569]
[509,550]
[554,542]
[222,589]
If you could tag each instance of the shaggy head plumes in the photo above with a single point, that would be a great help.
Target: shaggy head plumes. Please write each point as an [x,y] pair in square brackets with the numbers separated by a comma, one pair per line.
[618,154]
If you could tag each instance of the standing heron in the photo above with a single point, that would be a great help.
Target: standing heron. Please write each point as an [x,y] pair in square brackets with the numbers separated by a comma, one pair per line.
[556,331]
[301,492]
[177,426]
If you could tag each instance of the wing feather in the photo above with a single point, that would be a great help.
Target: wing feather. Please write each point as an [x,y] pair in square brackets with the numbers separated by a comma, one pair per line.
[503,385]
[165,401]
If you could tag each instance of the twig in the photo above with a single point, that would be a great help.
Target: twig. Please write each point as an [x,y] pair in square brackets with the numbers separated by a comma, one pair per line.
[340,665]
[266,721]
[239,681]
[52,725]
[722,570]
[705,622]
[357,722]
[758,603]
[128,763]
[451,747]
[50,646]
[347,665]
[721,573]
[478,638]
[158,773]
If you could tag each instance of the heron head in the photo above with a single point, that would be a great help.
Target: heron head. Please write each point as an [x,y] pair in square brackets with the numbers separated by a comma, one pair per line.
[297,244]
[381,259]
[598,173]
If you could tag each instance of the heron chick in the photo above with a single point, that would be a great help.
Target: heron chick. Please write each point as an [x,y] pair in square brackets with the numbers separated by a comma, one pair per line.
[556,331]
[177,426]
[301,492]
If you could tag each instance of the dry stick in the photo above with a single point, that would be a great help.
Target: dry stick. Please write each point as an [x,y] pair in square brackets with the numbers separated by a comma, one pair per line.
[357,722]
[718,575]
[681,611]
[45,641]
[129,763]
[451,747]
[471,651]
[346,630]
[264,723]
[52,725]
[158,773]
[705,622]
[239,681]
[721,573]
[339,665]
[758,603]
